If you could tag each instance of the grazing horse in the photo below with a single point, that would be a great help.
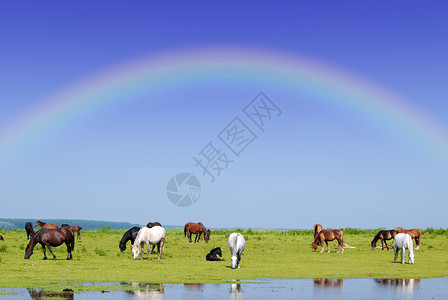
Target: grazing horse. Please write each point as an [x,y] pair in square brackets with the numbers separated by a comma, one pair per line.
[316,229]
[237,243]
[414,233]
[130,235]
[52,237]
[152,224]
[154,235]
[45,225]
[74,229]
[29,230]
[329,235]
[403,241]
[213,255]
[383,235]
[198,229]
[1,238]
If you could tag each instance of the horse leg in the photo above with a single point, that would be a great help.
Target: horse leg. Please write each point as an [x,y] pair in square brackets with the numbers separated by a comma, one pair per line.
[417,242]
[149,251]
[402,255]
[198,237]
[160,246]
[326,243]
[43,249]
[152,250]
[189,236]
[69,250]
[142,247]
[382,245]
[387,247]
[322,245]
[51,251]
[395,253]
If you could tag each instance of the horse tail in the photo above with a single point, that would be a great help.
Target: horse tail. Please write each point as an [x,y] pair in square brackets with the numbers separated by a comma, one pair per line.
[315,230]
[235,242]
[185,230]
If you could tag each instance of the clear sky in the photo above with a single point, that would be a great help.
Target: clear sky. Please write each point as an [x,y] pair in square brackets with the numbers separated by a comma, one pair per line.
[324,157]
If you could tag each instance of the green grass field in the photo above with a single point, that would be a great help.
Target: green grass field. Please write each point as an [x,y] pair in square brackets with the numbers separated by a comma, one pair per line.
[268,254]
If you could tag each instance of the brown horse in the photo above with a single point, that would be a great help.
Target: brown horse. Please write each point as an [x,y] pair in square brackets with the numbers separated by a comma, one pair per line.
[198,229]
[74,229]
[383,235]
[152,224]
[316,229]
[52,237]
[45,225]
[329,235]
[414,233]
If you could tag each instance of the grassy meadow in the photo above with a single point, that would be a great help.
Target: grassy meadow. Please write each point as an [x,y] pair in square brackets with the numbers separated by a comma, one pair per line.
[268,254]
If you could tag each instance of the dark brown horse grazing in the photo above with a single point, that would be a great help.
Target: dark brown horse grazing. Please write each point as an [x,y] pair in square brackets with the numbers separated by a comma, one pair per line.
[52,237]
[316,229]
[29,230]
[152,224]
[383,235]
[45,225]
[329,235]
[198,229]
[414,233]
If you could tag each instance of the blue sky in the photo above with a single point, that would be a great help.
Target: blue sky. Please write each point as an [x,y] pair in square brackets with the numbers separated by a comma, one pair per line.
[319,162]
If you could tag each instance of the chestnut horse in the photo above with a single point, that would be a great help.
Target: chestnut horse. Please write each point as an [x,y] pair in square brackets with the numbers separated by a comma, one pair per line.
[74,229]
[383,235]
[414,233]
[198,229]
[45,225]
[52,237]
[316,229]
[329,235]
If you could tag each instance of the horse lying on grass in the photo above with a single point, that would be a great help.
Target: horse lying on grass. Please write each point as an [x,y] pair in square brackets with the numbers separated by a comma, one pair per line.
[213,255]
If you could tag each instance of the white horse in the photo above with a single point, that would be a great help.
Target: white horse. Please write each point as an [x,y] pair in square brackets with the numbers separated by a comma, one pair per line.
[236,246]
[403,241]
[154,235]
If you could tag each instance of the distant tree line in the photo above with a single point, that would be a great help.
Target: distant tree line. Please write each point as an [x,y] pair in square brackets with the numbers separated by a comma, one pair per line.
[10,224]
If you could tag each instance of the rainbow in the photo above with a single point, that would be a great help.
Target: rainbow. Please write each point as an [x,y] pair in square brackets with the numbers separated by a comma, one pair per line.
[112,84]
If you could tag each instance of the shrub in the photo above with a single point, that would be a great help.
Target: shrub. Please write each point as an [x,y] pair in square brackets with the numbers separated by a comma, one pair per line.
[100,252]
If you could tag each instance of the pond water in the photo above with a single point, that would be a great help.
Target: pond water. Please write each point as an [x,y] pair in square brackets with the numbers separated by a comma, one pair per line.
[355,288]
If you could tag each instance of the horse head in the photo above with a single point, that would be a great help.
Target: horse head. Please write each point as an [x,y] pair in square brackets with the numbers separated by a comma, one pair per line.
[373,244]
[207,235]
[28,251]
[135,250]
[234,260]
[122,246]
[314,245]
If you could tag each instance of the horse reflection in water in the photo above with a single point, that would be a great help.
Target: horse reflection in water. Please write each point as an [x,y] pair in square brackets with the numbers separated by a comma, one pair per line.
[194,286]
[147,291]
[407,286]
[325,282]
[42,294]
[235,291]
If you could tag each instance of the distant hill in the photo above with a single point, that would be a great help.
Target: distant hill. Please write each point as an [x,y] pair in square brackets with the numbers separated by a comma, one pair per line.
[9,224]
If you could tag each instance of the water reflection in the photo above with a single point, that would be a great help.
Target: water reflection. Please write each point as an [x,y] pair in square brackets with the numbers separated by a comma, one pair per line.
[147,290]
[235,291]
[43,294]
[407,286]
[326,282]
[194,286]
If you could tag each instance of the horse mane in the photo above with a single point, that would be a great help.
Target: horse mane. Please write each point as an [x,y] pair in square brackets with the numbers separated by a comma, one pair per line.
[376,238]
[316,238]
